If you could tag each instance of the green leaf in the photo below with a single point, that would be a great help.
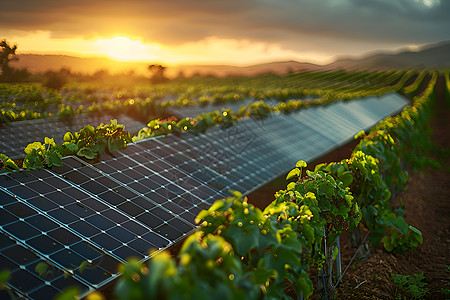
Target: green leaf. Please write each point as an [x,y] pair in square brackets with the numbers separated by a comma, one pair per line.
[346,178]
[340,170]
[68,137]
[114,145]
[295,173]
[34,146]
[301,164]
[49,141]
[9,163]
[234,193]
[401,225]
[72,147]
[261,275]
[386,240]
[71,293]
[88,129]
[360,134]
[304,285]
[41,268]
[291,186]
[325,188]
[4,277]
[32,161]
[308,231]
[244,239]
[86,152]
[54,160]
[419,236]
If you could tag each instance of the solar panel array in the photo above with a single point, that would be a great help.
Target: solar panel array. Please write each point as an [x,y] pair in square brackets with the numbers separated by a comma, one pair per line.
[73,225]
[195,110]
[15,136]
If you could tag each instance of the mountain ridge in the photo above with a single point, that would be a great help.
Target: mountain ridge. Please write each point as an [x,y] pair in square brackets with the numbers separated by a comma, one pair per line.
[436,55]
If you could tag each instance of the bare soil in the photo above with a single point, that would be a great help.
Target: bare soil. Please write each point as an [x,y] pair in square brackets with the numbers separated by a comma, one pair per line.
[427,206]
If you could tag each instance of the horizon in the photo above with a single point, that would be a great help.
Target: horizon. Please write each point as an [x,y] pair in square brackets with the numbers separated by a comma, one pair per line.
[126,65]
[232,33]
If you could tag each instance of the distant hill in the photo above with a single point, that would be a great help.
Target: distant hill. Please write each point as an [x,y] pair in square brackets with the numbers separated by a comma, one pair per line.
[41,63]
[429,56]
[283,67]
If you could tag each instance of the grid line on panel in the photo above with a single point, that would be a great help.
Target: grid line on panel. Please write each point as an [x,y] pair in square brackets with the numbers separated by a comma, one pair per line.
[157,177]
[55,248]
[124,199]
[84,215]
[201,179]
[32,272]
[327,122]
[205,159]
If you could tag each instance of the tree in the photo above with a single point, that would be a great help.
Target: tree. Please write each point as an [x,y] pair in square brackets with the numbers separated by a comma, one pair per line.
[7,54]
[157,73]
[56,80]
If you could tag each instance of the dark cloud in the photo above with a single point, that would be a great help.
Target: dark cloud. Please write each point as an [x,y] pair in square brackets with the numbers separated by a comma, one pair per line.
[290,23]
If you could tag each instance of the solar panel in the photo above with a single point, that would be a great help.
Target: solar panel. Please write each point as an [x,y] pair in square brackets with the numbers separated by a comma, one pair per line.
[84,218]
[195,110]
[41,251]
[64,224]
[15,136]
[122,195]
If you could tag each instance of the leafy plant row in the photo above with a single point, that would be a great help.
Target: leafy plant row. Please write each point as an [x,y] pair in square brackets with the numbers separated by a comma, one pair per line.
[242,252]
[411,89]
[89,143]
[22,102]
[447,87]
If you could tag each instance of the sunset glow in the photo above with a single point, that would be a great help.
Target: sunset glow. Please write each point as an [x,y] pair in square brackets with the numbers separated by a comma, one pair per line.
[124,49]
[230,32]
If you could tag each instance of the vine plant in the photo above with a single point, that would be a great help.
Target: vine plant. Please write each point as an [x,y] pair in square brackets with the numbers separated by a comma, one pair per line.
[258,252]
[88,143]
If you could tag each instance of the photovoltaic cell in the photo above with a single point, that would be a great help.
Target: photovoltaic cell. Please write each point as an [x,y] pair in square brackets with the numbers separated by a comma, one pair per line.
[68,232]
[158,181]
[85,218]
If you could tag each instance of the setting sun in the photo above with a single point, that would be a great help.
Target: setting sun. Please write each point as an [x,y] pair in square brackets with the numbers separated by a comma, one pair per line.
[124,49]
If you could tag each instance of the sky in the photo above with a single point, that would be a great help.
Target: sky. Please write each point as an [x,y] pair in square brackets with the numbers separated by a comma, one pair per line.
[237,32]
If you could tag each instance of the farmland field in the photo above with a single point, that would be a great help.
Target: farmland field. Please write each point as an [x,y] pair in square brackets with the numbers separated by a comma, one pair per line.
[203,136]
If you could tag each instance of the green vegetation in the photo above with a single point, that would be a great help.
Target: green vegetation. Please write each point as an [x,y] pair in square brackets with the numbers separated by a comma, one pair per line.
[88,143]
[241,251]
[329,198]
[413,285]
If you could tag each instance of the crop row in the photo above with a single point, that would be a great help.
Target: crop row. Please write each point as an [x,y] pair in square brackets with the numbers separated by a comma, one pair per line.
[243,252]
[21,102]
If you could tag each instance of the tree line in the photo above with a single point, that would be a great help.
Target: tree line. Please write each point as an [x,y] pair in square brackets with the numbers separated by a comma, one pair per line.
[57,79]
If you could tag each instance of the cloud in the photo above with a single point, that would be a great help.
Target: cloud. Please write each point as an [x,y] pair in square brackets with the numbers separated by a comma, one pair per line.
[291,25]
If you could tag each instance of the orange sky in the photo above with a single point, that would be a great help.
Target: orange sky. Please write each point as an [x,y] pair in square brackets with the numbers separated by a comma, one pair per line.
[231,32]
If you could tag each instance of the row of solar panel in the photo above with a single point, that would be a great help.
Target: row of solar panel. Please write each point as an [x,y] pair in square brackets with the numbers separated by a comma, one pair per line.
[77,213]
[147,196]
[15,136]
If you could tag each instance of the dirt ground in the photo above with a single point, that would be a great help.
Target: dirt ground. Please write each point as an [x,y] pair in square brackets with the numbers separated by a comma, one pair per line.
[427,206]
